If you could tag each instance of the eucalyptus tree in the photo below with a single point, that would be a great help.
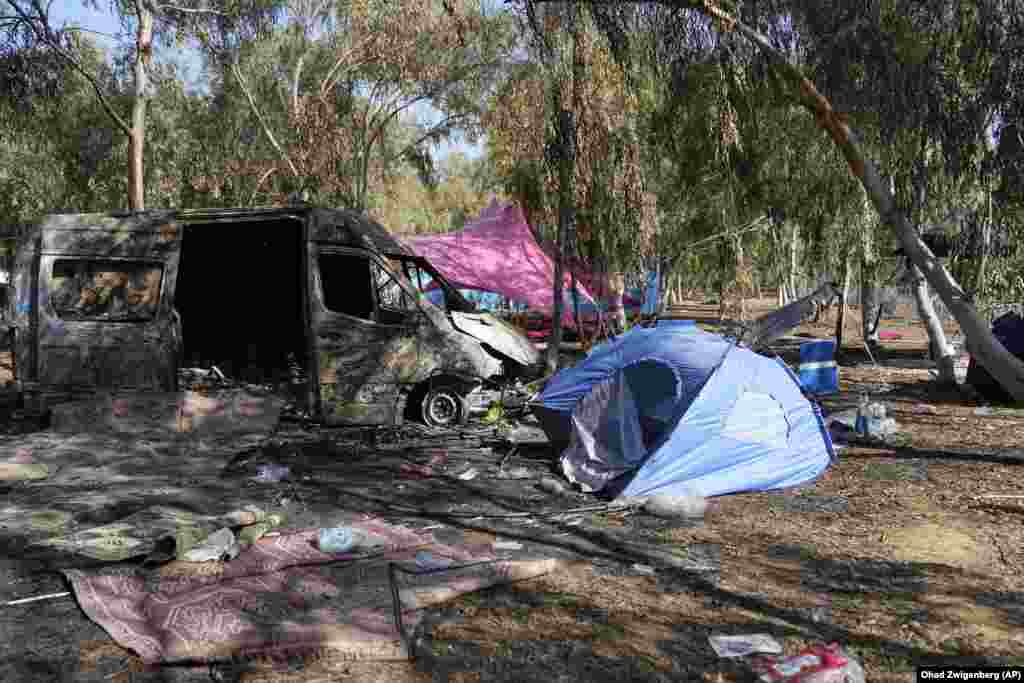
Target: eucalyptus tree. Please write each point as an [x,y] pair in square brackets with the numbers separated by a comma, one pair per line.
[1002,26]
[330,82]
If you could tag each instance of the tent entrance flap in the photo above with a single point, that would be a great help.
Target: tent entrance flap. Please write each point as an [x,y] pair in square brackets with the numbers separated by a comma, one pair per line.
[616,425]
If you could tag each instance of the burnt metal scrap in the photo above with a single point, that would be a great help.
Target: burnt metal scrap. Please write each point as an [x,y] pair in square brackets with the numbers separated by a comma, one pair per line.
[323,305]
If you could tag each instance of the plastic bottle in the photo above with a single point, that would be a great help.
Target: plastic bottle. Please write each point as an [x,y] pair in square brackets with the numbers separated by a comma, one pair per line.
[861,424]
[336,540]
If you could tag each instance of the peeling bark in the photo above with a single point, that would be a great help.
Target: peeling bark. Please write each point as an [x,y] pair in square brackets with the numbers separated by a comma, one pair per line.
[137,136]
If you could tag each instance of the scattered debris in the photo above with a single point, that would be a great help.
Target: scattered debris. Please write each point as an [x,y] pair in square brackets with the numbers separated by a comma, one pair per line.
[336,540]
[414,471]
[516,473]
[368,605]
[22,471]
[687,505]
[215,547]
[817,664]
[38,598]
[469,474]
[744,645]
[507,545]
[273,473]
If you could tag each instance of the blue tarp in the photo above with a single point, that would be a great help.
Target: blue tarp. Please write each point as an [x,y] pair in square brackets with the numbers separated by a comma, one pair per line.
[675,409]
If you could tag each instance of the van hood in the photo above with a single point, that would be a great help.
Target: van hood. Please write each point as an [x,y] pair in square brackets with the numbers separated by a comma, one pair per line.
[497,334]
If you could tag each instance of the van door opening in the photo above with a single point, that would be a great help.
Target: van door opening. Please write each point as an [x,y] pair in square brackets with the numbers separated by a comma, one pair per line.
[240,295]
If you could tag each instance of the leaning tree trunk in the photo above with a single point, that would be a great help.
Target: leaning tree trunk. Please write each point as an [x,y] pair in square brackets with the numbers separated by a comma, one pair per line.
[990,353]
[939,350]
[843,296]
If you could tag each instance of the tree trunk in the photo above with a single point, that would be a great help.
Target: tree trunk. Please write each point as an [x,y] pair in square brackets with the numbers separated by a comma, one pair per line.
[990,353]
[986,246]
[566,222]
[939,351]
[869,303]
[137,137]
[794,235]
[841,313]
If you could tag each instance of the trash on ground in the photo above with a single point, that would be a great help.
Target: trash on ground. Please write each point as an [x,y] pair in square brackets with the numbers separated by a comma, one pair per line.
[38,598]
[336,540]
[628,421]
[216,546]
[138,534]
[413,471]
[507,545]
[22,471]
[817,664]
[250,534]
[272,473]
[527,434]
[223,412]
[743,645]
[429,562]
[469,474]
[686,505]
[308,602]
[516,473]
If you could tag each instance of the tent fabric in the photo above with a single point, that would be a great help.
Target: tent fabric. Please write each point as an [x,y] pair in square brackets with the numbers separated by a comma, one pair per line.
[685,411]
[1009,330]
[497,253]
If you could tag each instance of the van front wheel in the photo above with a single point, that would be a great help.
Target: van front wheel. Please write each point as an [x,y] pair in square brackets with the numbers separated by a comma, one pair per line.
[443,406]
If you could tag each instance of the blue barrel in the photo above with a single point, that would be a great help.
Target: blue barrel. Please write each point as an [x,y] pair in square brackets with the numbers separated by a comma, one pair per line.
[818,371]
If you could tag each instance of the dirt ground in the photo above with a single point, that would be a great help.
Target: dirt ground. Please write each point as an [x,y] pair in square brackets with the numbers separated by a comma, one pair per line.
[906,552]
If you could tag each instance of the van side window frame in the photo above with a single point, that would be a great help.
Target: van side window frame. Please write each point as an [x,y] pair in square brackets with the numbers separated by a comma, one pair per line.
[372,260]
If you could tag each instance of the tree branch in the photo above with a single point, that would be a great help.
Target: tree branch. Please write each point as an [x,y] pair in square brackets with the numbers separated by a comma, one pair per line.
[44,33]
[191,10]
[259,183]
[259,117]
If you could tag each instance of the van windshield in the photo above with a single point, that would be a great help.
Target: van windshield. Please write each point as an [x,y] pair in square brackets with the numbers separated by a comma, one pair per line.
[114,291]
[431,285]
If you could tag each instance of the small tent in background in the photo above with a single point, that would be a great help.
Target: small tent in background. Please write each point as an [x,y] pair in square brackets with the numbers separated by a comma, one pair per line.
[1009,330]
[674,409]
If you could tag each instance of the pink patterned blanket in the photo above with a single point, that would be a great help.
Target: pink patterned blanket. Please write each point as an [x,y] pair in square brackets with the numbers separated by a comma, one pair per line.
[282,596]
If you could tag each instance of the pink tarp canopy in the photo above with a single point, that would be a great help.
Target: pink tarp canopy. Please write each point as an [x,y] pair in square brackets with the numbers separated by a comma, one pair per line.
[497,253]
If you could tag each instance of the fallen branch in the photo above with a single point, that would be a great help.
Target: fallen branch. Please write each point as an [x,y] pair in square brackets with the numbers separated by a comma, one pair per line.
[38,598]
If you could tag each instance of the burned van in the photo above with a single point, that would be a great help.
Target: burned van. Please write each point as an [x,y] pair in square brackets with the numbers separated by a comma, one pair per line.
[122,302]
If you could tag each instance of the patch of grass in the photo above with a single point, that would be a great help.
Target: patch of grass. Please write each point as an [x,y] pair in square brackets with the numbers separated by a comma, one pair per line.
[646,664]
[470,600]
[561,600]
[894,663]
[885,471]
[850,602]
[899,606]
[608,631]
[520,615]
[440,648]
[503,649]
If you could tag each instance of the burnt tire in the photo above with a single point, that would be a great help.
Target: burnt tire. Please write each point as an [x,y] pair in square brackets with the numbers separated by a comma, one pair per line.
[443,405]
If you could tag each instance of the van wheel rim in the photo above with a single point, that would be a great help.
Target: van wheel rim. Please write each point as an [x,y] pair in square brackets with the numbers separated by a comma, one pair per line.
[443,408]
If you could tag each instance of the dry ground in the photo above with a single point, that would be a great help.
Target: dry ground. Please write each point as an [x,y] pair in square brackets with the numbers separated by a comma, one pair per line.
[907,552]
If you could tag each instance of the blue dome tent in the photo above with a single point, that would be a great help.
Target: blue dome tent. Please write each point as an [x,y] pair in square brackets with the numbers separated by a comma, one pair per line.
[675,409]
